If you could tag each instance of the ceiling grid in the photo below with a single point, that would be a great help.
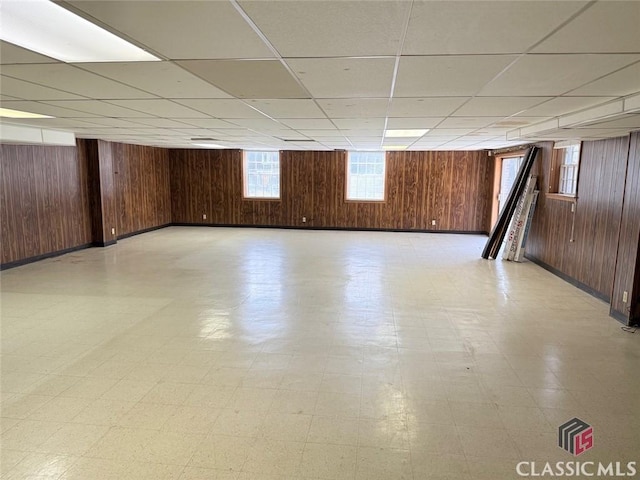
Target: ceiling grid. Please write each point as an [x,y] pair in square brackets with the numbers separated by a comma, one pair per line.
[336,74]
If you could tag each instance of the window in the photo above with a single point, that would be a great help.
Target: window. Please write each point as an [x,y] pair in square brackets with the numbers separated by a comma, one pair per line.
[569,170]
[365,176]
[261,172]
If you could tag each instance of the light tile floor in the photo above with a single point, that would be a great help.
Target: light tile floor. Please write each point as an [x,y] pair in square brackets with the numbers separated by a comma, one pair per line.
[214,353]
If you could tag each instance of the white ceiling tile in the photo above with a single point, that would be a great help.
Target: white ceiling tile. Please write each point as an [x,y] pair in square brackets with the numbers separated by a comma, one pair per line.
[196,132]
[363,133]
[272,132]
[563,105]
[344,77]
[460,145]
[354,107]
[413,122]
[289,134]
[160,122]
[71,79]
[439,76]
[98,107]
[99,131]
[425,107]
[160,108]
[439,138]
[321,137]
[425,145]
[453,132]
[359,123]
[520,121]
[364,146]
[307,123]
[460,75]
[236,132]
[554,74]
[464,27]
[306,145]
[228,109]
[469,122]
[330,28]
[620,83]
[149,132]
[320,132]
[164,79]
[287,108]
[118,122]
[248,78]
[339,145]
[497,106]
[259,123]
[605,27]
[368,143]
[492,131]
[31,91]
[205,122]
[181,30]
[11,54]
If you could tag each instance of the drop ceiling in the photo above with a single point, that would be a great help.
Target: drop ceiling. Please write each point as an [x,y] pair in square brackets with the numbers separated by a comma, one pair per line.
[334,74]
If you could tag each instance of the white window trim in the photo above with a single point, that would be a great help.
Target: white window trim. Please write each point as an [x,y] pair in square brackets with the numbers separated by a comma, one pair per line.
[245,177]
[349,198]
[568,178]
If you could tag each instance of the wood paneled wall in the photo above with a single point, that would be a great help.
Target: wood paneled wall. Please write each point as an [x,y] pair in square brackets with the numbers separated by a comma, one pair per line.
[452,188]
[142,184]
[589,256]
[627,274]
[44,201]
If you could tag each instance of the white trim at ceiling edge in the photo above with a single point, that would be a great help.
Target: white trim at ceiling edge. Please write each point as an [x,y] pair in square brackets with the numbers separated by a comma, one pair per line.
[11,133]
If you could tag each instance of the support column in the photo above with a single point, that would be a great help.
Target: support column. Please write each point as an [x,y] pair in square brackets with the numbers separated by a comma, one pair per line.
[102,194]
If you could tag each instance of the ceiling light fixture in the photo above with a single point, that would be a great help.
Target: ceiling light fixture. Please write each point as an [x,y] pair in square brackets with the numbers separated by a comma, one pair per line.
[208,145]
[406,133]
[51,30]
[8,113]
[395,147]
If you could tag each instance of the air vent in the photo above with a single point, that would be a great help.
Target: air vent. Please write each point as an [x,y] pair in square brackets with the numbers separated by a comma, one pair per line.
[204,139]
[297,140]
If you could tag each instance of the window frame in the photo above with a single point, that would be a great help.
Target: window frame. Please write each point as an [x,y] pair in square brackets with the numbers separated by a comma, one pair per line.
[348,178]
[245,178]
[558,158]
[563,178]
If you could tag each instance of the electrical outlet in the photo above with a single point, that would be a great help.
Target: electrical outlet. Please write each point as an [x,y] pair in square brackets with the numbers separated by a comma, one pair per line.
[433,222]
[625,296]
[573,208]
[304,219]
[113,231]
[204,216]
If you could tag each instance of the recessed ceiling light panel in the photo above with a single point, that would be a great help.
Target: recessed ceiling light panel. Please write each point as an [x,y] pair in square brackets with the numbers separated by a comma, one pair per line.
[51,30]
[208,145]
[414,133]
[394,147]
[8,113]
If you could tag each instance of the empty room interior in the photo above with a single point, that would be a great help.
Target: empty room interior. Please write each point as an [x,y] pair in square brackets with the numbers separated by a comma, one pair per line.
[245,240]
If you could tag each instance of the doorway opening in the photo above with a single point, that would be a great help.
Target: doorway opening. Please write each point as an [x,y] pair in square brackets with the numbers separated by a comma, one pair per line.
[506,170]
